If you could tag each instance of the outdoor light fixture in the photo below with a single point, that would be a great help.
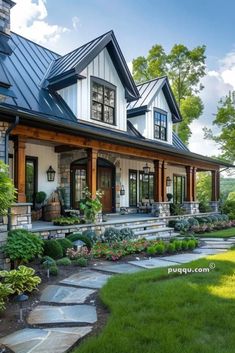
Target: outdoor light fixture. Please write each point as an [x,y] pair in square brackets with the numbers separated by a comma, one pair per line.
[146,169]
[20,299]
[168,181]
[50,174]
[122,191]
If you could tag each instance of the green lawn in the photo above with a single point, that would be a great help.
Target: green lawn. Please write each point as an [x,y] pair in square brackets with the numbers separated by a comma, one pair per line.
[153,312]
[224,233]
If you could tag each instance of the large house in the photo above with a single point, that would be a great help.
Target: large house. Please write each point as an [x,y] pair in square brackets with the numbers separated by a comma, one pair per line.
[82,116]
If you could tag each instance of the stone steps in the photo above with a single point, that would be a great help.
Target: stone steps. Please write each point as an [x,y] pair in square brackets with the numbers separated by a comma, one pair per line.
[144,225]
[163,232]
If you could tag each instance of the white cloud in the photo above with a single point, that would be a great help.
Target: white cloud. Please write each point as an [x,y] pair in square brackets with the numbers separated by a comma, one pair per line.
[28,18]
[76,23]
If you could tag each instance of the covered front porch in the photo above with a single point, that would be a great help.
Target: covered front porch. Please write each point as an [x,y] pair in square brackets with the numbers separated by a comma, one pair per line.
[130,177]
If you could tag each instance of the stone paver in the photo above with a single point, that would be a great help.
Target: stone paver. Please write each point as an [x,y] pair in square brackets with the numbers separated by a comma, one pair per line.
[53,340]
[183,258]
[206,252]
[216,246]
[153,263]
[46,314]
[118,268]
[90,279]
[65,295]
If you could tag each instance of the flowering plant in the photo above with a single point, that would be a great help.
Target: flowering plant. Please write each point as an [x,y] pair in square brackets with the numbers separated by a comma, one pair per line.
[91,206]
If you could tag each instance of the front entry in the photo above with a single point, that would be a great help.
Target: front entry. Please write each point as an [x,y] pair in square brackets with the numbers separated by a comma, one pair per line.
[105,182]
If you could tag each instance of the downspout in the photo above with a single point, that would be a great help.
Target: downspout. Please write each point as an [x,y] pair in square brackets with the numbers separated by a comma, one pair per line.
[8,131]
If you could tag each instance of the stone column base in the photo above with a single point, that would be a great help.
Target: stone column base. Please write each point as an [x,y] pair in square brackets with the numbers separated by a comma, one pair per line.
[4,262]
[214,206]
[21,216]
[160,209]
[191,207]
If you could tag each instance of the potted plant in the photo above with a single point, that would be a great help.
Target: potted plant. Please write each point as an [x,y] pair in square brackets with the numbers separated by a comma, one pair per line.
[91,207]
[169,197]
[40,198]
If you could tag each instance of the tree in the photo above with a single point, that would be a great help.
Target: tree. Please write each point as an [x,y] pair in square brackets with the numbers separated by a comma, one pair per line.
[204,186]
[184,68]
[225,121]
[7,190]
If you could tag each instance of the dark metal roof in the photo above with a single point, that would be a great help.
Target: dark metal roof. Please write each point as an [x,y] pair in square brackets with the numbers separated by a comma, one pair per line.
[147,92]
[68,68]
[177,143]
[24,70]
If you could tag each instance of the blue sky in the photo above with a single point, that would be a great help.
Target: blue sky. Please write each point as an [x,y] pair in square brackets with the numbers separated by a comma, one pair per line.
[66,24]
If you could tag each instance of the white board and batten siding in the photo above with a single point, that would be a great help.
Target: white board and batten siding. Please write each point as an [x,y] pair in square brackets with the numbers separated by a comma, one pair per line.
[145,123]
[78,96]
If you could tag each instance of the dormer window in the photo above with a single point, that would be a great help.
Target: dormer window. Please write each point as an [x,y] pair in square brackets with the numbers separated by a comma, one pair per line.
[160,125]
[103,100]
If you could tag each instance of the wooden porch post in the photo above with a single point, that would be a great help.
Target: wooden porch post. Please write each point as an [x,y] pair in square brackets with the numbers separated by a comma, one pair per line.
[215,185]
[19,149]
[194,176]
[158,181]
[164,167]
[189,183]
[92,170]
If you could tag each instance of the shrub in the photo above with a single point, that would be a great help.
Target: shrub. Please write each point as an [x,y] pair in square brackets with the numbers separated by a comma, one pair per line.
[171,248]
[178,245]
[191,244]
[184,245]
[78,236]
[23,246]
[182,226]
[54,271]
[53,249]
[66,221]
[82,262]
[204,207]
[192,221]
[21,280]
[65,261]
[172,223]
[127,233]
[176,209]
[47,261]
[7,190]
[90,234]
[111,235]
[77,254]
[5,290]
[160,248]
[65,244]
[40,197]
[151,250]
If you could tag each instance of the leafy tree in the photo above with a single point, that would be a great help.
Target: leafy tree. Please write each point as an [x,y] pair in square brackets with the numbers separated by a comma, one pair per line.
[225,121]
[7,190]
[185,68]
[203,186]
[231,196]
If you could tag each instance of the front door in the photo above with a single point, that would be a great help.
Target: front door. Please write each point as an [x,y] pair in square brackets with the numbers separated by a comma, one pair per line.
[105,184]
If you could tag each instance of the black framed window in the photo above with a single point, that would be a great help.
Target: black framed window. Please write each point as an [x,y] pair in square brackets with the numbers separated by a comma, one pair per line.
[146,186]
[160,125]
[103,101]
[132,188]
[179,189]
[31,178]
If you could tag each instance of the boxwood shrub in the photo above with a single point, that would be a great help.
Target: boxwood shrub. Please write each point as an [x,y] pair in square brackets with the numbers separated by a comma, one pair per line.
[53,249]
[65,244]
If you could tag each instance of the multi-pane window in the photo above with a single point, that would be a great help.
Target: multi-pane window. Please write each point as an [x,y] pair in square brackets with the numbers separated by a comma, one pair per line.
[103,102]
[178,189]
[79,183]
[160,125]
[146,186]
[132,188]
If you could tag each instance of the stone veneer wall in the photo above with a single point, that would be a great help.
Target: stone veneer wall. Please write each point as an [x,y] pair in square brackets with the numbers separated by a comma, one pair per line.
[191,207]
[3,128]
[21,216]
[65,160]
[4,262]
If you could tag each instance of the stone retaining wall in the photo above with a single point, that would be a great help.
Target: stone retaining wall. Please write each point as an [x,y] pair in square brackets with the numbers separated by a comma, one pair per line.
[4,263]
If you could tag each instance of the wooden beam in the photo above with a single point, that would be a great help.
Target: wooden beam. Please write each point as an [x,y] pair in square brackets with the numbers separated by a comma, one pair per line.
[84,142]
[189,184]
[19,148]
[194,181]
[92,155]
[65,148]
[158,181]
[215,185]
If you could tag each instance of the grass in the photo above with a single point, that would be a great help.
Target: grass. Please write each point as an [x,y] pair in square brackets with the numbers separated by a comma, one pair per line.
[153,312]
[224,233]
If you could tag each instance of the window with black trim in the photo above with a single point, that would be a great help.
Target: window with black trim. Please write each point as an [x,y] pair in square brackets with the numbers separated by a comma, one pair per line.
[146,186]
[179,189]
[103,100]
[132,188]
[160,125]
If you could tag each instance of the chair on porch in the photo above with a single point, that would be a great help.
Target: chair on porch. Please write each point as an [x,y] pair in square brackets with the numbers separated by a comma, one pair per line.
[145,206]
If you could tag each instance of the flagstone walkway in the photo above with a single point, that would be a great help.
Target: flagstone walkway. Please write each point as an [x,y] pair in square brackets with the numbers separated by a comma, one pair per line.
[65,313]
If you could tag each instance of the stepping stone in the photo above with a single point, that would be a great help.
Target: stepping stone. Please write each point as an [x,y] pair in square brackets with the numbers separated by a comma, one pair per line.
[65,294]
[209,251]
[53,340]
[182,259]
[118,268]
[90,279]
[153,263]
[46,314]
[216,246]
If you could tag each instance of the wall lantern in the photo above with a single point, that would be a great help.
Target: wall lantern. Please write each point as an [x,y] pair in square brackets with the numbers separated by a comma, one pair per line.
[146,169]
[168,181]
[50,174]
[122,191]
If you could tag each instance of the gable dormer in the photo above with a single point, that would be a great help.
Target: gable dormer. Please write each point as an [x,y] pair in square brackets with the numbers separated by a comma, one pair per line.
[94,80]
[155,112]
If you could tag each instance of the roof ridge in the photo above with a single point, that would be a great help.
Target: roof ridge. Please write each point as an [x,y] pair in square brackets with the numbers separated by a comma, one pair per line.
[39,45]
[153,79]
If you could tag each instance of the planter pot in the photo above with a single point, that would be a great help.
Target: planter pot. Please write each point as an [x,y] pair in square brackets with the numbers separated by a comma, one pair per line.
[51,211]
